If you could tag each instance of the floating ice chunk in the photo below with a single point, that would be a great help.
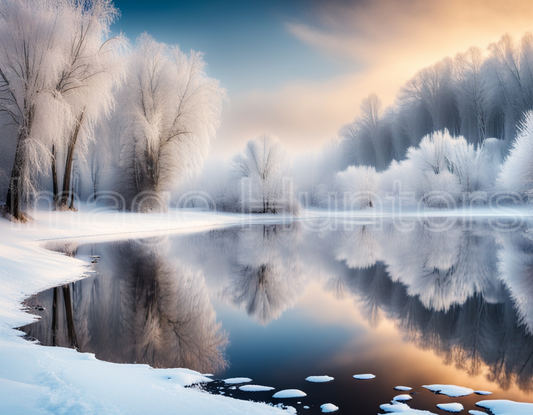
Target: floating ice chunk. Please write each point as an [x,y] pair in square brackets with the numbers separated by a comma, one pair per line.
[451,407]
[397,407]
[319,379]
[474,412]
[255,388]
[289,393]
[233,388]
[506,407]
[402,388]
[237,380]
[450,390]
[306,407]
[329,407]
[483,393]
[402,398]
[364,376]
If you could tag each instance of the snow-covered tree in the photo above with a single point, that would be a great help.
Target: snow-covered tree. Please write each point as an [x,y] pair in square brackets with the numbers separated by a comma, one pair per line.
[516,174]
[263,176]
[358,187]
[169,111]
[30,60]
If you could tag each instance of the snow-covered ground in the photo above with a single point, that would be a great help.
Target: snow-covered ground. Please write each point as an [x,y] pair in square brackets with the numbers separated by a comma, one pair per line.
[50,380]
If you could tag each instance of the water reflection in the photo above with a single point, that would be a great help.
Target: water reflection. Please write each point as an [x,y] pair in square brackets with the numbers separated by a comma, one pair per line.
[466,293]
[144,307]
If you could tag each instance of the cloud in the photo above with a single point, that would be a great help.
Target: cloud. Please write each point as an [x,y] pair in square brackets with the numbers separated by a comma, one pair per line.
[387,41]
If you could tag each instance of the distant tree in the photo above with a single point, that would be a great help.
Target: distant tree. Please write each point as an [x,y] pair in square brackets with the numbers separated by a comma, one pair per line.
[263,172]
[358,186]
[169,111]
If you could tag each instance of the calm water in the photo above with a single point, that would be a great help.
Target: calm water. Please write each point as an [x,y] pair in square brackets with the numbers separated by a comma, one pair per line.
[279,303]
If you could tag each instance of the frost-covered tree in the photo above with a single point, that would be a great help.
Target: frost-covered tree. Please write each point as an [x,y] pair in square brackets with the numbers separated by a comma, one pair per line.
[169,110]
[358,187]
[263,176]
[516,174]
[92,69]
[30,61]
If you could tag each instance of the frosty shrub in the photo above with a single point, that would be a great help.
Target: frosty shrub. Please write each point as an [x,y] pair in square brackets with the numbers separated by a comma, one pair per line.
[262,177]
[358,187]
[516,173]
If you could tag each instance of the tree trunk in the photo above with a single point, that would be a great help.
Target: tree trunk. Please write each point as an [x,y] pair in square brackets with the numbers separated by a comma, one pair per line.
[54,173]
[14,191]
[67,193]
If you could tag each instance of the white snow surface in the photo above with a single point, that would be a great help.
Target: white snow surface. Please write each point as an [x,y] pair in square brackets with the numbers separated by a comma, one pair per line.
[397,407]
[364,376]
[328,407]
[319,379]
[451,407]
[450,390]
[476,412]
[233,381]
[506,407]
[48,380]
[483,393]
[289,393]
[402,398]
[256,388]
[402,388]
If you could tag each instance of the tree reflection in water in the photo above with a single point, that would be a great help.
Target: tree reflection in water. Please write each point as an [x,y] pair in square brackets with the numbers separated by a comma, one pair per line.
[466,293]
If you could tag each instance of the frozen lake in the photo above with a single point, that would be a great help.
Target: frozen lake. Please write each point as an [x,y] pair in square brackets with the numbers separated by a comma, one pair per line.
[414,303]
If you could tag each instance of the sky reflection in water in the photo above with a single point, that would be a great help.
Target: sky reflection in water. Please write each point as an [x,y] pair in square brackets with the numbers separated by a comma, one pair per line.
[278,303]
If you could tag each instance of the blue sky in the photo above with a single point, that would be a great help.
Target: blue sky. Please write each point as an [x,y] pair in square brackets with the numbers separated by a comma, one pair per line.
[298,69]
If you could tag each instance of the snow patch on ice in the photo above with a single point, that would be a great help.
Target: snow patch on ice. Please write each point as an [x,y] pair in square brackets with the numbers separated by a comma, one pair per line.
[255,388]
[319,379]
[450,390]
[364,376]
[506,407]
[451,407]
[402,398]
[233,381]
[397,407]
[402,388]
[328,407]
[289,393]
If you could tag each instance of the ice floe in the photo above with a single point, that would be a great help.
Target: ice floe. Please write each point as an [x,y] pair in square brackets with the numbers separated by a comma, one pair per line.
[237,380]
[289,393]
[255,388]
[402,388]
[402,398]
[328,407]
[450,390]
[319,379]
[397,407]
[475,412]
[483,393]
[364,376]
[451,407]
[506,407]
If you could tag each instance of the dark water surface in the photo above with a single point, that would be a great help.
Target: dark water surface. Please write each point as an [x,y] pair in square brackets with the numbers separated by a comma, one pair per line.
[278,303]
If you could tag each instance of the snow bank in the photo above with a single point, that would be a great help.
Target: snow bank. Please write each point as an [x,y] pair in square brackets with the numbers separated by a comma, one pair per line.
[364,376]
[289,393]
[319,379]
[449,390]
[328,407]
[506,407]
[451,407]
